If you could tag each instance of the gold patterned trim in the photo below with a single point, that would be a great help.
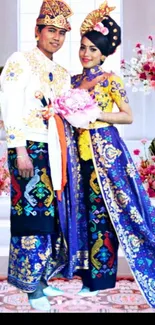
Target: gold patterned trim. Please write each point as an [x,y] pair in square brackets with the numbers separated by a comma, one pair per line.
[59,21]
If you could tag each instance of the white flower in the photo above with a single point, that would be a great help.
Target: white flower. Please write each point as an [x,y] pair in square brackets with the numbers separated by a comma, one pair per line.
[133,72]
[144,58]
[134,61]
[146,83]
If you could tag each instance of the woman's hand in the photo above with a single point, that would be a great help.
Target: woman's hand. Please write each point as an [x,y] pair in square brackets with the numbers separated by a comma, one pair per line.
[85,84]
[24,163]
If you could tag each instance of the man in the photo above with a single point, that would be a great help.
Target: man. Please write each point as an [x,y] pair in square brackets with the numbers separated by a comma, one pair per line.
[37,247]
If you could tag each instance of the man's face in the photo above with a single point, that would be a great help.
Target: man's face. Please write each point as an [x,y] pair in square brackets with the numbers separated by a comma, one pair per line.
[50,40]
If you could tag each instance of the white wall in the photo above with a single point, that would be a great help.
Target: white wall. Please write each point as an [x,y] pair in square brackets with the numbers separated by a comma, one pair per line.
[8,29]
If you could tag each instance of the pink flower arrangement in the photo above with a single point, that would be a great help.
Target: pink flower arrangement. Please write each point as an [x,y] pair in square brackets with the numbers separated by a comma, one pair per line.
[4,177]
[77,107]
[139,73]
[146,169]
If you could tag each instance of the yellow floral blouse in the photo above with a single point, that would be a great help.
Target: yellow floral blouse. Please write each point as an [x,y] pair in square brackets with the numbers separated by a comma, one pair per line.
[107,93]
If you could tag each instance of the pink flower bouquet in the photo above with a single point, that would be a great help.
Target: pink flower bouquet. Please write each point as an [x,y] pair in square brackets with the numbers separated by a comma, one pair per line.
[77,107]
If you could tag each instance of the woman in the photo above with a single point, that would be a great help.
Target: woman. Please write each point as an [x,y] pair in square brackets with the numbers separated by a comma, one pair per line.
[116,202]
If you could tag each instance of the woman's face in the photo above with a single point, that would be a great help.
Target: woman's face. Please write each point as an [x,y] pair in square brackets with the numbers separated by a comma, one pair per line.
[89,54]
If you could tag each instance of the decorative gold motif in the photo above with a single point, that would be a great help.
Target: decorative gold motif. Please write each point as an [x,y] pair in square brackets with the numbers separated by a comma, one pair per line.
[34,120]
[58,21]
[95,17]
[95,249]
[12,134]
[122,198]
[131,170]
[55,13]
[19,209]
[55,8]
[45,179]
[135,216]
[13,71]
[28,242]
[134,243]
[41,69]
[94,186]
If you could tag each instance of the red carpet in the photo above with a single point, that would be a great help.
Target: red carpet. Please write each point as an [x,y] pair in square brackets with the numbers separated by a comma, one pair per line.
[125,298]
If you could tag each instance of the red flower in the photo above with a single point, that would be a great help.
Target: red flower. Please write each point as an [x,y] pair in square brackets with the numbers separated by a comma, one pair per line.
[143,76]
[139,52]
[146,67]
[138,45]
[136,152]
[150,38]
[153,69]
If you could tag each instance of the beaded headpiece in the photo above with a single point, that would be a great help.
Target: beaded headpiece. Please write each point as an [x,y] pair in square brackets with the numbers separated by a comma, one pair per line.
[55,13]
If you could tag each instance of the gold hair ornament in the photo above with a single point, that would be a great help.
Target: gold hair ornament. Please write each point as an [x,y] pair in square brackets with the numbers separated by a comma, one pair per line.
[95,17]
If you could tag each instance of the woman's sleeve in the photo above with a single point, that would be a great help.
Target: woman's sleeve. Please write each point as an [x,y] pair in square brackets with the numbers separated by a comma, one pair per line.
[14,79]
[117,90]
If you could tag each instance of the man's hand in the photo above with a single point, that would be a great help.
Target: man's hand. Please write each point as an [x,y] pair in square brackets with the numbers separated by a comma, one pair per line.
[24,163]
[25,166]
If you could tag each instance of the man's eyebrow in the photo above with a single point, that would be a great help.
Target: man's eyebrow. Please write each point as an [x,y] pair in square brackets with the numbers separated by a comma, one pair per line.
[60,29]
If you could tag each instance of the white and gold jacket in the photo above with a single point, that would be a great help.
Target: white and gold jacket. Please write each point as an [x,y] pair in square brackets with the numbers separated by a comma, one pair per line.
[24,74]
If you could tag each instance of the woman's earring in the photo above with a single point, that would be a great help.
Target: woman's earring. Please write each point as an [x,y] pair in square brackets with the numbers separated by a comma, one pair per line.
[102,58]
[37,38]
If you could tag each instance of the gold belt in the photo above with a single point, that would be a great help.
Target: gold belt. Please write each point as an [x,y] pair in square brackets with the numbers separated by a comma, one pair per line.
[84,139]
[98,125]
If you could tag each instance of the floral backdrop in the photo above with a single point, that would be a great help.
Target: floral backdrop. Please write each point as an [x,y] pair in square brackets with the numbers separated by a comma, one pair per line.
[139,72]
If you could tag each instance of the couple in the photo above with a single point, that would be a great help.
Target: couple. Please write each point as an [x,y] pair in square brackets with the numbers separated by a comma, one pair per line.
[72,226]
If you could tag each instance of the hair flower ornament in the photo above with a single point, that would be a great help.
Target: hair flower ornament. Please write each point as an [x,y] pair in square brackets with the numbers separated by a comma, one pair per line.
[99,27]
